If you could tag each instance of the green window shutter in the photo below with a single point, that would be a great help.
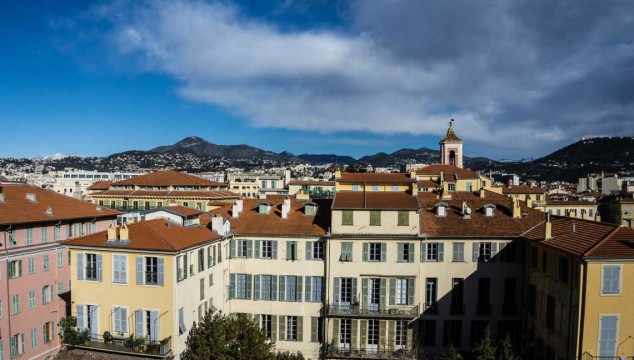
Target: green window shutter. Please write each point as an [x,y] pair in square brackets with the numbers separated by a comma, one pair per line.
[364,334]
[257,249]
[282,323]
[412,251]
[365,251]
[233,249]
[364,292]
[392,291]
[441,252]
[232,286]
[309,250]
[313,328]
[300,328]
[274,328]
[382,331]
[347,217]
[274,288]
[282,288]
[257,287]
[383,252]
[308,297]
[274,250]
[354,290]
[289,251]
[423,252]
[335,294]
[354,329]
[403,218]
[391,335]
[249,248]
[399,250]
[411,287]
[298,295]
[382,298]
[375,218]
[249,285]
[335,331]
[476,251]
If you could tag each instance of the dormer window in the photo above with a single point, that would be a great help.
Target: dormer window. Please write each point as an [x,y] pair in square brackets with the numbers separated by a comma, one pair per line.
[375,187]
[488,210]
[441,209]
[264,208]
[310,209]
[355,187]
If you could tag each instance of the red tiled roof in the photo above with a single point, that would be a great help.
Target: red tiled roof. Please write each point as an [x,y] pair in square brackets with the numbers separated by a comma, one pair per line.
[17,209]
[213,194]
[375,178]
[311,182]
[478,225]
[522,189]
[252,223]
[556,201]
[186,211]
[157,235]
[619,245]
[168,178]
[450,172]
[385,200]
[426,184]
[100,185]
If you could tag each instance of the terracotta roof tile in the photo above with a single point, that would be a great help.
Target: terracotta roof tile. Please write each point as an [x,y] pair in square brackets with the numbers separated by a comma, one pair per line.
[213,194]
[619,245]
[100,185]
[157,235]
[522,189]
[182,210]
[168,178]
[374,200]
[16,208]
[312,182]
[427,184]
[395,178]
[450,172]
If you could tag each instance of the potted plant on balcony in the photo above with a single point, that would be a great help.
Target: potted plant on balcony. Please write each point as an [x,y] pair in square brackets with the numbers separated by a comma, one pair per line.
[107,337]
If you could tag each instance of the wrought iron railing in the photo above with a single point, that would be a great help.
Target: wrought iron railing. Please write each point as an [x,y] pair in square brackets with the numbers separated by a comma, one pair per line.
[399,311]
[147,347]
[342,352]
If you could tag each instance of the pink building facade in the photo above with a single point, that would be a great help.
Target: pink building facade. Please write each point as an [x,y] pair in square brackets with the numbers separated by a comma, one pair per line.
[35,268]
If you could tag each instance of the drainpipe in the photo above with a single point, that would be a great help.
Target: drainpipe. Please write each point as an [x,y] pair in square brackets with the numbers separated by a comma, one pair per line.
[582,306]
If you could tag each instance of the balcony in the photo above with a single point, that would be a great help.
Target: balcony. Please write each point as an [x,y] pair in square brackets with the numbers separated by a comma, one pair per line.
[394,312]
[336,352]
[143,347]
[430,308]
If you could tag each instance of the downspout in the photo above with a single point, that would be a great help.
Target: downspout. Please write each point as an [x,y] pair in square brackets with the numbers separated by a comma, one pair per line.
[582,306]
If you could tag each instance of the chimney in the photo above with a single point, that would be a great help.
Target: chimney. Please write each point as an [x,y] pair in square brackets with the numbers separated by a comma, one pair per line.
[49,211]
[217,225]
[286,208]
[597,217]
[548,228]
[31,197]
[482,194]
[517,211]
[112,233]
[123,233]
[529,203]
[234,211]
[240,204]
[412,174]
[574,227]
[1,194]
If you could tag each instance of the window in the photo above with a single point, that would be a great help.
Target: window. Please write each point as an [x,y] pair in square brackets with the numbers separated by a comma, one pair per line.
[316,329]
[314,250]
[181,267]
[469,186]
[375,188]
[532,299]
[458,252]
[119,269]
[375,218]
[550,312]
[12,241]
[451,187]
[607,339]
[242,247]
[181,322]
[15,304]
[265,287]
[314,288]
[60,287]
[44,234]
[544,261]
[533,258]
[310,210]
[33,338]
[510,288]
[355,187]
[347,289]
[402,291]
[611,283]
[210,256]
[240,286]
[406,252]
[483,252]
[266,324]
[403,218]
[17,345]
[58,232]
[291,328]
[507,252]
[345,334]
[400,340]
[346,251]
[31,265]
[46,263]
[291,250]
[31,299]
[60,258]
[373,335]
[29,235]
[484,296]
[267,249]
[15,269]
[120,319]
[452,333]
[347,217]
[457,297]
[374,251]
[431,293]
[91,266]
[151,271]
[201,260]
[428,329]
[291,288]
[432,252]
[563,269]
[47,294]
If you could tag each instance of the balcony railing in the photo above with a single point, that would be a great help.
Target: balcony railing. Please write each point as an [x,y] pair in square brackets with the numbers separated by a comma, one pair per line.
[587,356]
[398,311]
[430,308]
[338,352]
[142,346]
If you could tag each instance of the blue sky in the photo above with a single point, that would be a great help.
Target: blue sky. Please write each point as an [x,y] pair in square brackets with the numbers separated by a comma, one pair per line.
[345,77]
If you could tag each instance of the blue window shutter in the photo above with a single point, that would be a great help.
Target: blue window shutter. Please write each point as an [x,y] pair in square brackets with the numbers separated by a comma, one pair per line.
[299,288]
[154,325]
[249,286]
[412,249]
[423,251]
[138,328]
[80,317]
[80,266]
[282,288]
[232,286]
[365,251]
[99,268]
[139,270]
[308,296]
[249,248]
[441,252]
[161,271]
[616,277]
[383,252]
[232,245]
[257,287]
[476,251]
[257,249]
[274,287]
[274,249]
[309,250]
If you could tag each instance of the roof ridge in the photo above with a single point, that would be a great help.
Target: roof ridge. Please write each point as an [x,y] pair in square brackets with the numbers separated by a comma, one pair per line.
[602,241]
[164,240]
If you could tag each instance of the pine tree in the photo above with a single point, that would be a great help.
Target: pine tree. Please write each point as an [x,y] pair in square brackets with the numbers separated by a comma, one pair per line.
[484,349]
[451,354]
[506,349]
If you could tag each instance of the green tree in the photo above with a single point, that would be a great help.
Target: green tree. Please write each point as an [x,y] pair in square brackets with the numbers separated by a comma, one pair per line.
[451,354]
[506,349]
[228,338]
[289,356]
[70,335]
[484,349]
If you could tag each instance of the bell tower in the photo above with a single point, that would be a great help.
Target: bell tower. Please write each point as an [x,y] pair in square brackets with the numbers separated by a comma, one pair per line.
[451,148]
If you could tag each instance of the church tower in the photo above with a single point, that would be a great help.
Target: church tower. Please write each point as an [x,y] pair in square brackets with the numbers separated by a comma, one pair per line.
[451,148]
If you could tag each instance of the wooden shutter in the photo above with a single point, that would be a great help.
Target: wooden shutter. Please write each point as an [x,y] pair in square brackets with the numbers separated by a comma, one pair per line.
[314,326]
[423,251]
[282,288]
[308,297]
[274,249]
[364,292]
[257,287]
[383,252]
[282,325]
[80,267]
[273,287]
[273,327]
[476,251]
[161,271]
[441,252]
[99,267]
[249,286]
[300,328]
[257,248]
[139,270]
[383,287]
[363,334]
[298,287]
[382,335]
[412,252]
[336,327]
[400,251]
[249,248]
[411,287]
[365,251]
[392,291]
[309,250]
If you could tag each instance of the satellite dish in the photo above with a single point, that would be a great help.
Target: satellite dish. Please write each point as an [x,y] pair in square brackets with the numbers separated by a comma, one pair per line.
[468,211]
